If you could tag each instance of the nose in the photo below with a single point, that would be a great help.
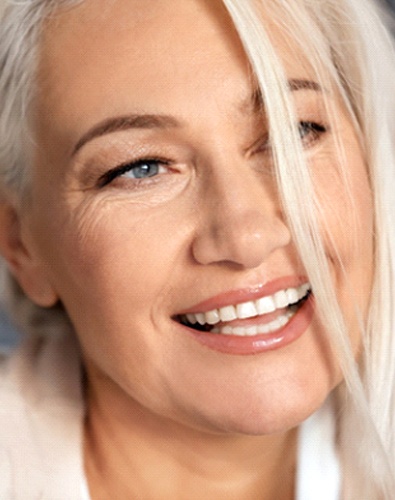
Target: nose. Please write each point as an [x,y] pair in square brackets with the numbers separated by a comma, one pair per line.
[240,221]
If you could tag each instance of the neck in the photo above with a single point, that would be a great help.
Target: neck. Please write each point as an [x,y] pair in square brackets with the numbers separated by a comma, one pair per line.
[131,452]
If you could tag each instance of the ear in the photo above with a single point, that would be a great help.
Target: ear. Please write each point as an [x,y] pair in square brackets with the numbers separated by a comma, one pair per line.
[23,264]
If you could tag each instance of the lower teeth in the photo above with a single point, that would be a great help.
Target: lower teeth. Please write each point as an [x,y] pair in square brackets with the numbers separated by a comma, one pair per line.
[263,329]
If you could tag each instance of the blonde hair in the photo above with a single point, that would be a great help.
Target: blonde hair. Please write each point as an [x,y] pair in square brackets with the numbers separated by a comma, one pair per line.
[347,43]
[345,39]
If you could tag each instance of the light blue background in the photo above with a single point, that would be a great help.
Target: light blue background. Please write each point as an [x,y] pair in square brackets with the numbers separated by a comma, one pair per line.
[8,334]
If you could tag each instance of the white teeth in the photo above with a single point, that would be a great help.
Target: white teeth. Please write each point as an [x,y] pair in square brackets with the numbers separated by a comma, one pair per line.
[226,330]
[263,329]
[265,305]
[292,295]
[192,319]
[251,330]
[200,318]
[280,300]
[227,313]
[212,317]
[304,289]
[246,310]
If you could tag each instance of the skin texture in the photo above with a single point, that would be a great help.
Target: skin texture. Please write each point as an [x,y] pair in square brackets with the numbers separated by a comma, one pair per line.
[125,258]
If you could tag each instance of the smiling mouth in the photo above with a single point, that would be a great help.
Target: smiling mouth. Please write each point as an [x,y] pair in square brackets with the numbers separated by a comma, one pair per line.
[259,317]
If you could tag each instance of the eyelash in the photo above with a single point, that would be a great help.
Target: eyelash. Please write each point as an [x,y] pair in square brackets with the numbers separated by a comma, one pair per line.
[309,127]
[112,174]
[317,129]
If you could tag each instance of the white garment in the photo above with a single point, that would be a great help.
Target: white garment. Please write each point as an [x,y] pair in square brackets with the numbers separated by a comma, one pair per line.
[318,472]
[41,417]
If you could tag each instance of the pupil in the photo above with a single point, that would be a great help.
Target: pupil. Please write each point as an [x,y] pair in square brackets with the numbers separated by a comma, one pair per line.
[146,170]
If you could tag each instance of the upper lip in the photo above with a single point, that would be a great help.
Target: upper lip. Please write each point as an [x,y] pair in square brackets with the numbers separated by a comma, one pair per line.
[241,295]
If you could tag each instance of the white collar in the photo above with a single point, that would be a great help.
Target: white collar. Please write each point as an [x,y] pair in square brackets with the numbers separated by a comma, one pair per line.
[318,470]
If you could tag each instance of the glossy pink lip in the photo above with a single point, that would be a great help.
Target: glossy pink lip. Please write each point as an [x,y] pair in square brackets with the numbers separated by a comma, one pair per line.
[233,297]
[258,344]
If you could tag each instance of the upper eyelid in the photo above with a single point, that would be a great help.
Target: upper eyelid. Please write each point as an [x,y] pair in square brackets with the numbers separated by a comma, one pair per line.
[264,140]
[118,171]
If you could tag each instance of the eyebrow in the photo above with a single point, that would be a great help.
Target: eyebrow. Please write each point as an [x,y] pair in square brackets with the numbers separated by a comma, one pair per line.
[120,123]
[300,84]
[159,121]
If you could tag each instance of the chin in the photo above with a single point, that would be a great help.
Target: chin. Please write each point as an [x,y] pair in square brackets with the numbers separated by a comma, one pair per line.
[264,413]
[260,422]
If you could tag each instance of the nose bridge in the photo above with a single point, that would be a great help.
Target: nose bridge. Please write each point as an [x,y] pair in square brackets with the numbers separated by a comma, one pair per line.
[240,220]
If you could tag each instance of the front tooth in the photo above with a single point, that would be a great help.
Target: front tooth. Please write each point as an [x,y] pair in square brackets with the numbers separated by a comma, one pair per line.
[265,305]
[227,313]
[200,318]
[212,317]
[280,299]
[292,295]
[246,310]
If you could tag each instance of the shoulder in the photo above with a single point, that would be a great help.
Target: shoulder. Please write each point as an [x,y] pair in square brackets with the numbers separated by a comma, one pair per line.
[41,412]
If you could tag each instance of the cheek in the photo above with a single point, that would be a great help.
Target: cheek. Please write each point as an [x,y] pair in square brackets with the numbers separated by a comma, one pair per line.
[114,257]
[348,229]
[115,269]
[124,254]
[345,204]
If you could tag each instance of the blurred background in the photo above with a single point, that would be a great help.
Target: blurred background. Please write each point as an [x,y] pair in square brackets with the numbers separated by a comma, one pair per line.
[9,336]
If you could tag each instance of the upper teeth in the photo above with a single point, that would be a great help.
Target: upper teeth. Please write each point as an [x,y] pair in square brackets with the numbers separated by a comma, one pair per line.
[264,305]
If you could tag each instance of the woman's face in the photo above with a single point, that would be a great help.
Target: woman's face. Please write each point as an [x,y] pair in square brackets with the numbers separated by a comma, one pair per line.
[152,197]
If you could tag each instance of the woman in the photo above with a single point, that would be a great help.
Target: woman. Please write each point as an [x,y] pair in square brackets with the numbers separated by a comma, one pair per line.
[196,212]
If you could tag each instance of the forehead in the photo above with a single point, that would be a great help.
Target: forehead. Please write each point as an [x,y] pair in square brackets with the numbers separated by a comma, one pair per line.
[102,57]
[133,41]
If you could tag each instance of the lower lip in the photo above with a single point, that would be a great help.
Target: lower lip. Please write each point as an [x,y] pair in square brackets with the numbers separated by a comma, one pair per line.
[257,344]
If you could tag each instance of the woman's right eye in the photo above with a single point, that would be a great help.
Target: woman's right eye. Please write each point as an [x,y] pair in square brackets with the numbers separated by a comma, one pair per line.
[137,170]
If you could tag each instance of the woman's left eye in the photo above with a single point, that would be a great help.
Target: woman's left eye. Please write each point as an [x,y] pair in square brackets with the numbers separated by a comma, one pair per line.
[138,170]
[309,132]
